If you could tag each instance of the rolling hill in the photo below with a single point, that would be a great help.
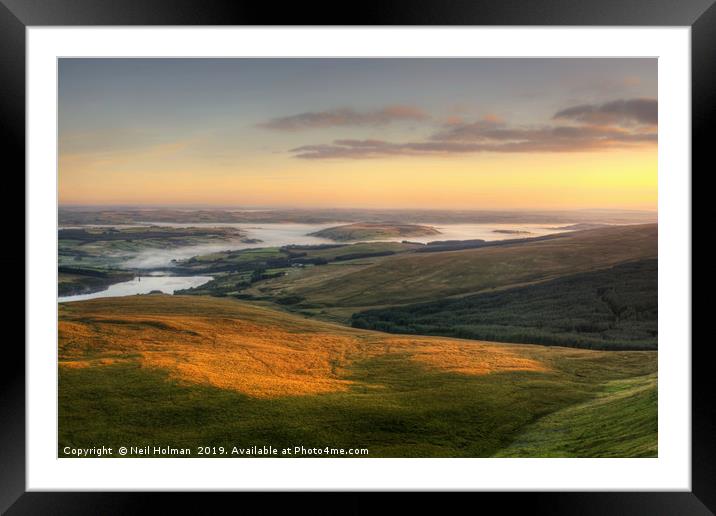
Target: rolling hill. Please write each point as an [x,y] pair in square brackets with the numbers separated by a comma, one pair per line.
[336,291]
[374,231]
[197,371]
[614,308]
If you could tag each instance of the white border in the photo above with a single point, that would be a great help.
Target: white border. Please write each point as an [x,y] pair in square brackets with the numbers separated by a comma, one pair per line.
[671,471]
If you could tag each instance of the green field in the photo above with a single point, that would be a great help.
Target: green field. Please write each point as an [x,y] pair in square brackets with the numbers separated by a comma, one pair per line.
[196,371]
[614,308]
[626,408]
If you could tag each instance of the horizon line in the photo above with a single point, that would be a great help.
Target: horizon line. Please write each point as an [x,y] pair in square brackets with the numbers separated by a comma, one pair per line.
[222,207]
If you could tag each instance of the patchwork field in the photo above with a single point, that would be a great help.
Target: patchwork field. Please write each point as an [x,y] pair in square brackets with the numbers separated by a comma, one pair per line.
[197,371]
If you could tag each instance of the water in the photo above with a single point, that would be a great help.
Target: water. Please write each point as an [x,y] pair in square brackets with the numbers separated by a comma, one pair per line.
[488,232]
[143,285]
[280,234]
[271,235]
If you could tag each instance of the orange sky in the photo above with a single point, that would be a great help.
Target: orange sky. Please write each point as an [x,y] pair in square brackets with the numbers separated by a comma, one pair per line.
[463,133]
[615,179]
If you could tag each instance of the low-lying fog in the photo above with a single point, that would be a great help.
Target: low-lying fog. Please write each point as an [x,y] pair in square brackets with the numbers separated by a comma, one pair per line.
[280,234]
[271,235]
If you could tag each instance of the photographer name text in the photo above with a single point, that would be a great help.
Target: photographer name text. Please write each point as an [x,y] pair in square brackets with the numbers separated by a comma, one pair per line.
[211,451]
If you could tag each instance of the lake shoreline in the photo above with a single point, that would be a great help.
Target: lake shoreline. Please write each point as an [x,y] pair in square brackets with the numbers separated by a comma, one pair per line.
[139,271]
[141,285]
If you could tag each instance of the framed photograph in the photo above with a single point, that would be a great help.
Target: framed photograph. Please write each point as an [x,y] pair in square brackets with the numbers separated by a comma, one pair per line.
[441,248]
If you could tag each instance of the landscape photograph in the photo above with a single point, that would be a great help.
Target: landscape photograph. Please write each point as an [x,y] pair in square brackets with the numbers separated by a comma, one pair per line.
[357,257]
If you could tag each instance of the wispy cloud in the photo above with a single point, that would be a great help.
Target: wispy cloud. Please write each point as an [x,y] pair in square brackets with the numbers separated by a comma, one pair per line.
[640,111]
[591,130]
[344,117]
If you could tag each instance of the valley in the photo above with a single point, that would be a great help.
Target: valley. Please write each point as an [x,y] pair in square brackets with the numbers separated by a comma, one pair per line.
[220,372]
[444,348]
[423,257]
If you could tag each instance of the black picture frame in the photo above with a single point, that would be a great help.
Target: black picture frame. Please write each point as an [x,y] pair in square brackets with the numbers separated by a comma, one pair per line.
[17,15]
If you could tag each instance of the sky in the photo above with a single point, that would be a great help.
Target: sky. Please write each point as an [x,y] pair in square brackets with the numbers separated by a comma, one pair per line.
[359,133]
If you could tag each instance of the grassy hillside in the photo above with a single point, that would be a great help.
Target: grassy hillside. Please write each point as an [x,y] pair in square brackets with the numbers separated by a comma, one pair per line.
[374,231]
[626,407]
[339,290]
[194,371]
[236,270]
[613,308]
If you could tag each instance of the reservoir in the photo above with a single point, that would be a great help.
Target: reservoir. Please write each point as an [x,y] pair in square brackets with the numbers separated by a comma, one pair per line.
[143,285]
[281,234]
[277,235]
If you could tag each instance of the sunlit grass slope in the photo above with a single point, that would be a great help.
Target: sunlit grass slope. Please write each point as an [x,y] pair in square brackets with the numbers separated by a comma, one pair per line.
[191,371]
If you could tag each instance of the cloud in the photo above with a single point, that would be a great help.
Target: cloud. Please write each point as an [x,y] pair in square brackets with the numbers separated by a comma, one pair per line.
[344,117]
[460,130]
[559,139]
[640,111]
[362,149]
[492,134]
[482,131]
